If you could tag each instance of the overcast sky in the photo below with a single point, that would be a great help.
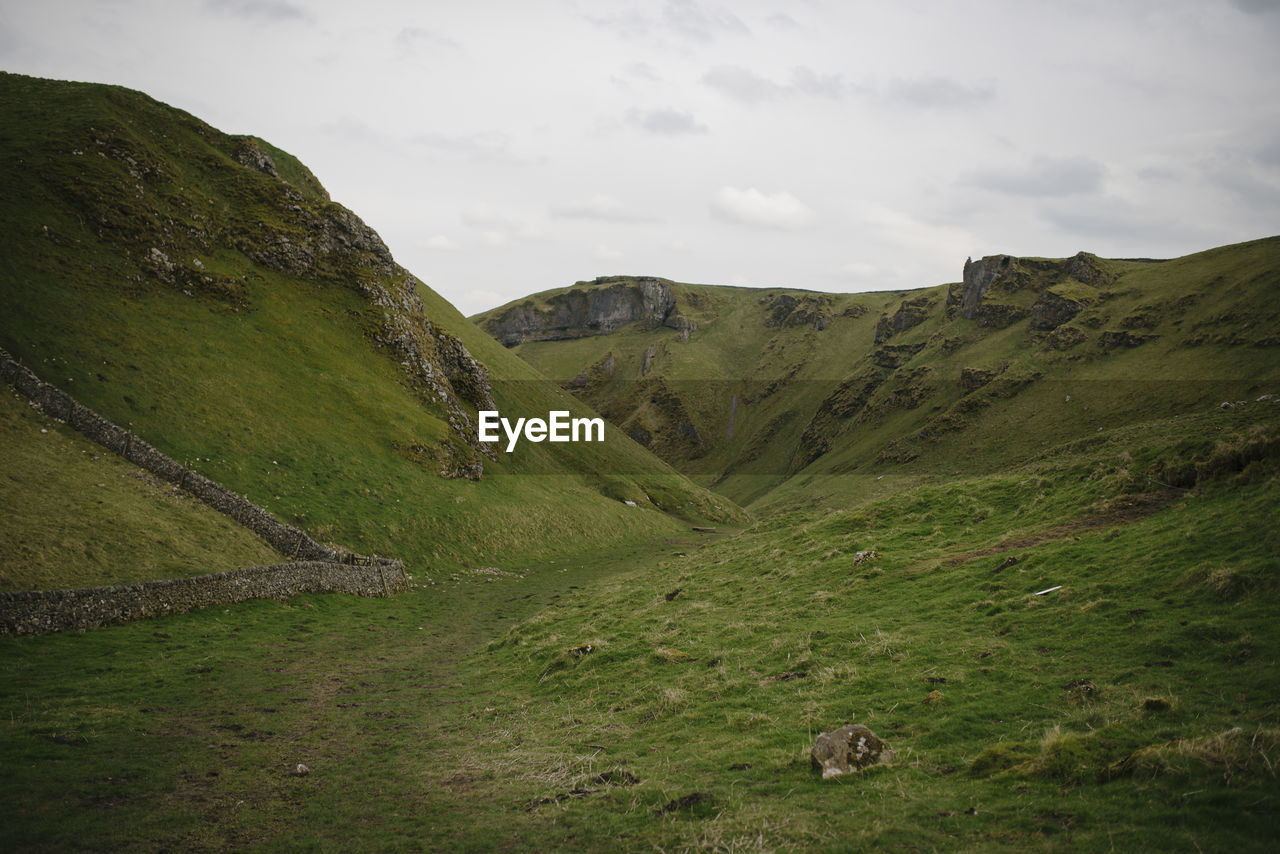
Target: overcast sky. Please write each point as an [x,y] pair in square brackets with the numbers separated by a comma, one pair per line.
[502,148]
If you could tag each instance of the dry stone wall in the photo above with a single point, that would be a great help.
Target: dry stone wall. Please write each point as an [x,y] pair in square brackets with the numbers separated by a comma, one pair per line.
[316,568]
[41,611]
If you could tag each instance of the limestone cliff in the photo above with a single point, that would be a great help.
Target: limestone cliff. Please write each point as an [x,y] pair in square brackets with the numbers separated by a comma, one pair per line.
[590,308]
[999,290]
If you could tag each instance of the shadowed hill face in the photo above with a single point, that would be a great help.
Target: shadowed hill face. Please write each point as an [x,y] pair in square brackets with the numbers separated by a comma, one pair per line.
[202,289]
[764,385]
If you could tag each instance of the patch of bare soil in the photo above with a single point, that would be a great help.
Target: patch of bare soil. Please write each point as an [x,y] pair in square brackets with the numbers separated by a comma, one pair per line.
[1118,511]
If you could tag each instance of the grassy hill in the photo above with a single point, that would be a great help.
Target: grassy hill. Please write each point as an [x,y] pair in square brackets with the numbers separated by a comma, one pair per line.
[79,516]
[202,289]
[1007,523]
[773,384]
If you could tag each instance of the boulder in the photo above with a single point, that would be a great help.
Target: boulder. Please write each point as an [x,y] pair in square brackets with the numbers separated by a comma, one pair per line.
[848,750]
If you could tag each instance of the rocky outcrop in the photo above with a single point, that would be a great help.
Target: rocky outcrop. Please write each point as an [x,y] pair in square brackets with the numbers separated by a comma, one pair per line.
[294,229]
[994,291]
[791,310]
[439,367]
[1111,339]
[317,240]
[249,153]
[595,308]
[846,400]
[972,379]
[978,278]
[1064,338]
[654,413]
[848,750]
[1053,309]
[892,356]
[911,313]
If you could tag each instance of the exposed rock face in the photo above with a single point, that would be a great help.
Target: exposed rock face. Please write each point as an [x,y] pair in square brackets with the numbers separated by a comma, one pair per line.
[793,311]
[911,313]
[893,356]
[1064,338]
[250,154]
[998,315]
[978,277]
[1084,267]
[597,308]
[649,355]
[993,291]
[848,750]
[440,367]
[847,401]
[1052,310]
[1110,340]
[316,241]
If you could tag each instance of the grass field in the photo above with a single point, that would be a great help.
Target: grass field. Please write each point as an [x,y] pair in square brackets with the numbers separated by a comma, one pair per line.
[665,697]
[78,516]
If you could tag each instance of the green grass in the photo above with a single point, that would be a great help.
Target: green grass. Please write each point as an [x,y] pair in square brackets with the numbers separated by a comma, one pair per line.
[573,705]
[78,516]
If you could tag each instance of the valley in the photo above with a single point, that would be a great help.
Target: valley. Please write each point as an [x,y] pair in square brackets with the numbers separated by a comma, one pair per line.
[1021,525]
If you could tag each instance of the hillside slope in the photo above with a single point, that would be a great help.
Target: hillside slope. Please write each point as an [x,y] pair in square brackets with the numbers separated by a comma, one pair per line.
[201,289]
[746,388]
[79,516]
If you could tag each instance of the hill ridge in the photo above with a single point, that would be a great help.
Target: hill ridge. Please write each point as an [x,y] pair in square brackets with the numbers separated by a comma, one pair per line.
[775,383]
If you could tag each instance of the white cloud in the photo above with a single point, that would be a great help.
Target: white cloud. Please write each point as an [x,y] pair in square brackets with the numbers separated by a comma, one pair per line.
[779,210]
[700,22]
[276,10]
[480,299]
[600,207]
[687,19]
[665,122]
[417,39]
[810,82]
[438,241]
[499,229]
[938,93]
[482,147]
[743,84]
